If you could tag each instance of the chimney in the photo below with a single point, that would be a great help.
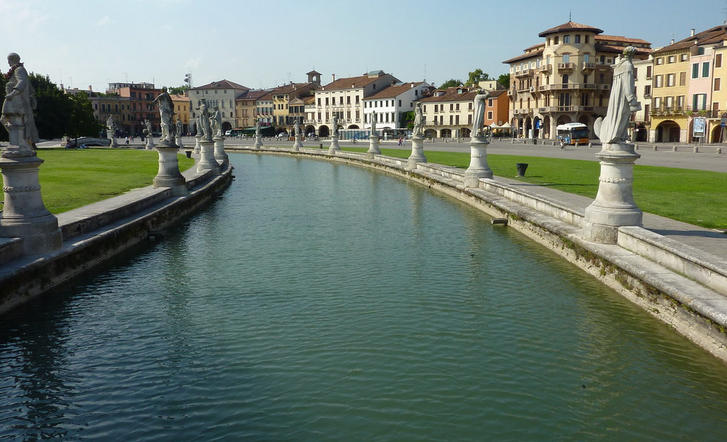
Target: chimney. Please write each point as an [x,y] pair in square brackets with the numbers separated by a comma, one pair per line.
[90,88]
[334,77]
[691,34]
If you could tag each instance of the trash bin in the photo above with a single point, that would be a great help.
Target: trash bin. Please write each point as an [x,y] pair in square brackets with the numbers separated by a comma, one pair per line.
[521,168]
[189,153]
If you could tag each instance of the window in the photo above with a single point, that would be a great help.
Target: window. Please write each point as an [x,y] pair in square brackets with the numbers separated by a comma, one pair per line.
[658,81]
[717,83]
[672,59]
[705,69]
[682,78]
[566,58]
[648,72]
[566,39]
[670,80]
[699,101]
[647,90]
[489,116]
[718,61]
[695,70]
[684,57]
[556,40]
[680,102]
[587,39]
[660,60]
[586,58]
[578,39]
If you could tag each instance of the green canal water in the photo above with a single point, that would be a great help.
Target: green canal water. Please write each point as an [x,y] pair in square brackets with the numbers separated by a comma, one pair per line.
[322,302]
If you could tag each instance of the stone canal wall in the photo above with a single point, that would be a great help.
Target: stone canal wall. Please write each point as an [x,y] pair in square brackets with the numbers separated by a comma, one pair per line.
[681,286]
[95,233]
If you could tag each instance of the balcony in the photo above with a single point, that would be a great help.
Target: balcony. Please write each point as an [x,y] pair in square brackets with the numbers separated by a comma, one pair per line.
[565,67]
[546,69]
[524,73]
[588,67]
[569,86]
[555,109]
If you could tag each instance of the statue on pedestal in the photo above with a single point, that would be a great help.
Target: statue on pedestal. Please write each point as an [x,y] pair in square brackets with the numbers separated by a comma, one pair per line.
[19,103]
[216,123]
[166,112]
[335,126]
[478,117]
[111,125]
[613,129]
[148,129]
[373,123]
[204,126]
[296,127]
[418,130]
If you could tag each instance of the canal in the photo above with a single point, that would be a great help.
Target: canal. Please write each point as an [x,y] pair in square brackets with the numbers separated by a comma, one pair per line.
[321,302]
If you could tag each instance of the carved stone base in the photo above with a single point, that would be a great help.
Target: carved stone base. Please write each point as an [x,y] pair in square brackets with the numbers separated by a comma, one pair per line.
[197,145]
[417,153]
[207,159]
[298,143]
[24,215]
[478,167]
[334,145]
[149,143]
[614,205]
[169,174]
[219,152]
[373,146]
[258,142]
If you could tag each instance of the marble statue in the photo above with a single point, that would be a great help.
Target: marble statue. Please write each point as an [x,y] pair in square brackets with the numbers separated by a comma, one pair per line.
[613,129]
[257,127]
[418,130]
[296,127]
[216,124]
[180,128]
[478,117]
[111,124]
[19,101]
[373,122]
[204,126]
[166,112]
[335,126]
[148,129]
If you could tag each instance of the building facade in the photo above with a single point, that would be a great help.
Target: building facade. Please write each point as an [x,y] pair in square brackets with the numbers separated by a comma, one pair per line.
[343,98]
[567,78]
[391,105]
[219,95]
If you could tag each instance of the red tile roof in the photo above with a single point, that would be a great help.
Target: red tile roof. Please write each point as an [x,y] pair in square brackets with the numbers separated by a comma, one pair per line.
[394,91]
[710,36]
[222,84]
[570,26]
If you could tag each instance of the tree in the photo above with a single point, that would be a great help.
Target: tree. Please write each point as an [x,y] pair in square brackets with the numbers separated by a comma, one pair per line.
[82,122]
[53,110]
[179,90]
[504,80]
[451,83]
[476,76]
[408,118]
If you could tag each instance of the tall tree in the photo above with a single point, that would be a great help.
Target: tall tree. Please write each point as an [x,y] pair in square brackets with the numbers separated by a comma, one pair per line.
[504,80]
[450,83]
[476,76]
[53,110]
[82,122]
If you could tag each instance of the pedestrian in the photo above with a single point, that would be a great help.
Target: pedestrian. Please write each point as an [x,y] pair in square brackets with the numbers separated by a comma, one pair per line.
[401,140]
[127,141]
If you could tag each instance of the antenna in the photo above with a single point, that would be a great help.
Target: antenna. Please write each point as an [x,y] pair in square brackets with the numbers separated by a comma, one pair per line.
[570,16]
[425,72]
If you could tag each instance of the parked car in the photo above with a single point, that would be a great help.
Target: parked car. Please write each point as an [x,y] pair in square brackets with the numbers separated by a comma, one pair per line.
[89,141]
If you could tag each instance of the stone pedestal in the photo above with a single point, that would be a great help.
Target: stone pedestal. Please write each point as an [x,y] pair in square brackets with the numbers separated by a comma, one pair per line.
[169,174]
[149,142]
[334,145]
[373,146]
[258,142]
[478,167]
[24,215]
[178,141]
[219,152]
[298,143]
[614,205]
[113,141]
[207,158]
[417,153]
[197,145]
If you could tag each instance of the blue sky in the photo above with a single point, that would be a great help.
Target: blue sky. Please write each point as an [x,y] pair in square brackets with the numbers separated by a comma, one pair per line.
[264,44]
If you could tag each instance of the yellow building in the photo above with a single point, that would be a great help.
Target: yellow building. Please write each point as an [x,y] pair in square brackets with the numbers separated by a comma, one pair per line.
[181,110]
[687,89]
[565,79]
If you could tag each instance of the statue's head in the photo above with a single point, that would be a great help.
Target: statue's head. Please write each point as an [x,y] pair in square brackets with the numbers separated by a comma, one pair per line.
[13,58]
[164,89]
[629,51]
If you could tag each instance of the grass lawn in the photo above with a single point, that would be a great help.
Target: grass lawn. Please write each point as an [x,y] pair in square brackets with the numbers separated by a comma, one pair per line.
[694,196]
[72,178]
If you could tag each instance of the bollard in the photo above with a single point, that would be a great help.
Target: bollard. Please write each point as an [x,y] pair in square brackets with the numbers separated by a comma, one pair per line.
[189,153]
[655,148]
[636,147]
[696,149]
[590,145]
[719,151]
[576,144]
[521,168]
[674,148]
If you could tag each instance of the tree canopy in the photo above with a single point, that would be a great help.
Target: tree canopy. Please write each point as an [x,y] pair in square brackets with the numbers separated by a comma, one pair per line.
[450,83]
[476,76]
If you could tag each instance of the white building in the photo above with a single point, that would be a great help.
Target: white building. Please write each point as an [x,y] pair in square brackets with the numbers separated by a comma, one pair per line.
[219,95]
[391,103]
